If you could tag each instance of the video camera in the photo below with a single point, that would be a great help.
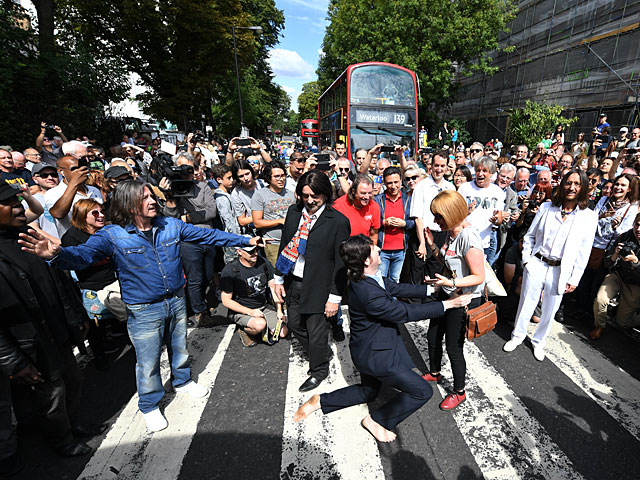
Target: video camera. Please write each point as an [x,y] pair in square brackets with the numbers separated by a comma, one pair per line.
[163,166]
[198,137]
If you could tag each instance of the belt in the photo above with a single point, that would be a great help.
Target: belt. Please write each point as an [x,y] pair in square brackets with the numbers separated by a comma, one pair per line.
[548,261]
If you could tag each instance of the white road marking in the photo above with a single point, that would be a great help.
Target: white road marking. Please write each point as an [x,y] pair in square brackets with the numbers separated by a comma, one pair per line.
[327,446]
[129,452]
[505,440]
[594,374]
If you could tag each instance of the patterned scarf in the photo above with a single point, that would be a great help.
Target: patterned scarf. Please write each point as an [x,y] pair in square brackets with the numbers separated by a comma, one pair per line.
[296,247]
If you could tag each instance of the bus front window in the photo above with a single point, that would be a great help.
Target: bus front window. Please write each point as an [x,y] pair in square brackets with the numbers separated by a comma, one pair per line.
[381,85]
[369,137]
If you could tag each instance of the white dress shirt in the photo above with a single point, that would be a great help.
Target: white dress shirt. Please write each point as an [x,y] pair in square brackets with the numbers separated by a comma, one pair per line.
[421,199]
[556,233]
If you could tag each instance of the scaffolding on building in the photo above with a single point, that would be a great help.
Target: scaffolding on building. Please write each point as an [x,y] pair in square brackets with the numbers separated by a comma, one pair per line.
[583,55]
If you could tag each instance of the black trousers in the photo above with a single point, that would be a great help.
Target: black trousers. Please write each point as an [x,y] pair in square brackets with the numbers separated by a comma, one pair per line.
[312,331]
[413,393]
[452,326]
[414,268]
[52,405]
[8,441]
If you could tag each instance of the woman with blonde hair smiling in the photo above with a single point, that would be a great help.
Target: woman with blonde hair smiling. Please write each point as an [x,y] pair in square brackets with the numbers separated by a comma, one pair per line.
[462,254]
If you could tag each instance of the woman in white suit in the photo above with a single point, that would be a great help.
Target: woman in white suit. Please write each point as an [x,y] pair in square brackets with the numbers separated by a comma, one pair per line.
[555,254]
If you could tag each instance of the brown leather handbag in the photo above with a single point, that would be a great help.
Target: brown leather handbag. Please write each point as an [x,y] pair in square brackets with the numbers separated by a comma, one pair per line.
[482,319]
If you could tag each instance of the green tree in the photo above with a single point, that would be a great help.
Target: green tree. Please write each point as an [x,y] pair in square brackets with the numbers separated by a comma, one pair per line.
[308,100]
[435,39]
[47,77]
[183,52]
[529,124]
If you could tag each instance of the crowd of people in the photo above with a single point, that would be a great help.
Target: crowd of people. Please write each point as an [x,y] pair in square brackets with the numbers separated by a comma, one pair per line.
[143,242]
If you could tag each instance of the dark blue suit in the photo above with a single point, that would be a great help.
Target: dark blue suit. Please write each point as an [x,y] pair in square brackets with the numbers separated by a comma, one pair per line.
[378,352]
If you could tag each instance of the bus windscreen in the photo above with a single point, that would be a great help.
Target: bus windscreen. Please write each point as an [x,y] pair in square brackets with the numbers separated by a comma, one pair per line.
[381,85]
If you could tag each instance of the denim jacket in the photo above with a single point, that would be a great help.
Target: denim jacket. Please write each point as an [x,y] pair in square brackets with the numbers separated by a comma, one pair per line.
[147,273]
[381,200]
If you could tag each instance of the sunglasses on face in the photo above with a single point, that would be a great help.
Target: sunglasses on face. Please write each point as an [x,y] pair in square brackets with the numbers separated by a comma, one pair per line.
[47,175]
[344,169]
[412,179]
[97,213]
[475,151]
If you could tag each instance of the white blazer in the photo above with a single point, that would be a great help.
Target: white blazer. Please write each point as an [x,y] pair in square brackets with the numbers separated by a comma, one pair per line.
[577,247]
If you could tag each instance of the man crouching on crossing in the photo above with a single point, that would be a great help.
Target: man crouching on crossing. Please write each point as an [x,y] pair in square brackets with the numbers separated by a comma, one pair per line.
[376,346]
[145,249]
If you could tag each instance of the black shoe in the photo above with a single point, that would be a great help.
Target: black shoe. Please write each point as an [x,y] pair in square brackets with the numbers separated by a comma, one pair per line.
[309,384]
[338,333]
[11,465]
[560,314]
[74,449]
[88,431]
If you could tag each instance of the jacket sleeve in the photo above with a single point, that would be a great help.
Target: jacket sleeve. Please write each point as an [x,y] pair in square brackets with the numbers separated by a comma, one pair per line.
[382,307]
[530,238]
[405,290]
[98,246]
[12,360]
[339,277]
[588,231]
[211,236]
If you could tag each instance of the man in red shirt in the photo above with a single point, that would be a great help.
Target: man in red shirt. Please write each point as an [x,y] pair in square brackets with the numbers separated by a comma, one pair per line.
[395,206]
[358,207]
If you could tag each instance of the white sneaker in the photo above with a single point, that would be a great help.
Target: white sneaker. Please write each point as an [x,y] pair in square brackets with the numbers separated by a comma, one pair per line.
[510,346]
[538,352]
[193,389]
[155,420]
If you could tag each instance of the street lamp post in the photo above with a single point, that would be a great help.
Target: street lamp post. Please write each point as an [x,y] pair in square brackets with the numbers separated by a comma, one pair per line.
[235,55]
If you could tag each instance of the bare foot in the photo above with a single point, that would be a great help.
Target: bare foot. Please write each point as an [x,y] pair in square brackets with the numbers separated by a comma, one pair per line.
[535,319]
[378,431]
[283,331]
[307,408]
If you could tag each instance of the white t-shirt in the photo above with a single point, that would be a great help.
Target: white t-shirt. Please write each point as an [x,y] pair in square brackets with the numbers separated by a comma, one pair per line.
[45,221]
[53,195]
[488,200]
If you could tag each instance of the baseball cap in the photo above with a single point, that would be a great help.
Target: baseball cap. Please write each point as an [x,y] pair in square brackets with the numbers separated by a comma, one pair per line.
[7,191]
[38,167]
[115,172]
[248,248]
[624,129]
[603,115]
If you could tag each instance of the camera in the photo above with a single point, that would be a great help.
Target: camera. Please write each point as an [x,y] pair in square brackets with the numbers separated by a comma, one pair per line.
[533,204]
[163,166]
[388,148]
[197,138]
[323,161]
[627,249]
[51,127]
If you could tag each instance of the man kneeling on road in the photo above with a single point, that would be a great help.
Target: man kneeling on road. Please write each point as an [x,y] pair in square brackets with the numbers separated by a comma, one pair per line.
[145,249]
[244,283]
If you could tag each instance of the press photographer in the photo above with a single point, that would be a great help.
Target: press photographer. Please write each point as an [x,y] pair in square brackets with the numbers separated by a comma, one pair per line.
[623,281]
[192,202]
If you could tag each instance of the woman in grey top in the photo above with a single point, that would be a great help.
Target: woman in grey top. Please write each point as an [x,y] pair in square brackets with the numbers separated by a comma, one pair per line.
[463,255]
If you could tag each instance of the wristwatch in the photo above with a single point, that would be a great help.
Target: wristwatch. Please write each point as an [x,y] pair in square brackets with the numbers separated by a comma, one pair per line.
[453,282]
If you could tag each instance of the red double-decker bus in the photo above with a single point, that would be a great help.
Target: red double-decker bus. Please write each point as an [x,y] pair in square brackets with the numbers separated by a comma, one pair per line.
[309,131]
[370,103]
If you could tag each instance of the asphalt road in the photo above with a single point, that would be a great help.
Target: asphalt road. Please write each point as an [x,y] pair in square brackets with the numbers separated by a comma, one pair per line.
[575,415]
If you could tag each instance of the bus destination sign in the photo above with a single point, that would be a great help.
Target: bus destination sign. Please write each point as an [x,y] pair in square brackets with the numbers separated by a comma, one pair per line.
[384,117]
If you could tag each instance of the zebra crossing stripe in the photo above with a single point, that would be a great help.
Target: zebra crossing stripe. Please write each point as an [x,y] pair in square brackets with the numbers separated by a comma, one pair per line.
[593,373]
[326,446]
[506,441]
[130,452]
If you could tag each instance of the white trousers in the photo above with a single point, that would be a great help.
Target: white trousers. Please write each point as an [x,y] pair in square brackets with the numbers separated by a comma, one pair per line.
[538,276]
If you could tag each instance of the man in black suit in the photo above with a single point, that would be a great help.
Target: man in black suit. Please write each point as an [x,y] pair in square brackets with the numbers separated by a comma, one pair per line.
[309,269]
[376,345]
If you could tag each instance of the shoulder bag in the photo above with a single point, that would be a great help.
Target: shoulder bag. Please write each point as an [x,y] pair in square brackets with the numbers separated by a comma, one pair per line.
[482,319]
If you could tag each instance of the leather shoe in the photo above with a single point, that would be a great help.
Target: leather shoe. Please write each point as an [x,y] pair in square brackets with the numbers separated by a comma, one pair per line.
[338,333]
[596,333]
[73,449]
[87,431]
[309,384]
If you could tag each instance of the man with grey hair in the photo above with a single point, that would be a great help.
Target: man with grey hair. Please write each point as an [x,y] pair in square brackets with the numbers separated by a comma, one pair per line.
[486,204]
[198,259]
[477,152]
[74,148]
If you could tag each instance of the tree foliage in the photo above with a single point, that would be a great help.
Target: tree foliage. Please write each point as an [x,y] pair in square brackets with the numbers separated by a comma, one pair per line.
[433,39]
[182,51]
[308,100]
[528,125]
[55,80]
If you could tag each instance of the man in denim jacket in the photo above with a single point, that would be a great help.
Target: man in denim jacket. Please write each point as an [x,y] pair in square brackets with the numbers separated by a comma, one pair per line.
[145,248]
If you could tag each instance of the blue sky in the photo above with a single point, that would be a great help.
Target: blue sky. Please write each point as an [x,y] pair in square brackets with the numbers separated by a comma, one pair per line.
[295,59]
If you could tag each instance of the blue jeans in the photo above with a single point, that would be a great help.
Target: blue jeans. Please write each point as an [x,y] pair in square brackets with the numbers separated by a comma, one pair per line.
[391,264]
[150,326]
[493,250]
[198,264]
